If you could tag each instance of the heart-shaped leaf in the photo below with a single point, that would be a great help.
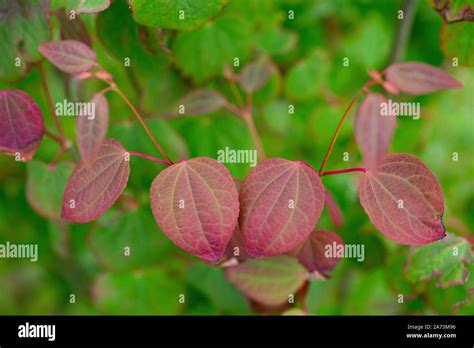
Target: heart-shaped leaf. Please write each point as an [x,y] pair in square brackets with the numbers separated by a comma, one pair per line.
[24,24]
[202,101]
[335,212]
[255,75]
[90,6]
[21,124]
[373,129]
[142,292]
[446,258]
[129,242]
[91,132]
[404,200]
[73,29]
[196,205]
[419,78]
[281,201]
[456,42]
[70,56]
[176,14]
[227,37]
[212,282]
[45,187]
[313,253]
[269,281]
[235,248]
[94,187]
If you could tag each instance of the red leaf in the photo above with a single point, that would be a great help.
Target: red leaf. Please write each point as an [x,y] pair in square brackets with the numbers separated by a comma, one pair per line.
[404,200]
[281,201]
[334,210]
[70,56]
[312,254]
[235,248]
[255,75]
[196,205]
[91,133]
[94,187]
[21,124]
[373,130]
[202,101]
[419,78]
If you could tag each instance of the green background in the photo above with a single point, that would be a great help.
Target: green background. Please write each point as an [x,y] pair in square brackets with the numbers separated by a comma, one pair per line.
[308,52]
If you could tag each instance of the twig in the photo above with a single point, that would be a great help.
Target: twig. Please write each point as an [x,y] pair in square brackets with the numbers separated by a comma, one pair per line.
[403,31]
[49,99]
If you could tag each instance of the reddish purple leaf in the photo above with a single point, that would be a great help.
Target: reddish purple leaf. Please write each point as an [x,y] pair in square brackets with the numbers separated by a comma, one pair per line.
[91,132]
[202,101]
[21,124]
[235,248]
[255,75]
[374,129]
[335,212]
[70,56]
[196,205]
[313,253]
[73,29]
[404,200]
[281,201]
[94,187]
[270,281]
[419,78]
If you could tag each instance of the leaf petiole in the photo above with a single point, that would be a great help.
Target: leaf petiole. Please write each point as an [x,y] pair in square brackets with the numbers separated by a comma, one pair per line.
[341,171]
[341,121]
[150,158]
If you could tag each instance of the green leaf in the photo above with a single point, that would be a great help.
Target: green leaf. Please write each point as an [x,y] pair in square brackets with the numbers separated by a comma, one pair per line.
[305,79]
[446,259]
[269,281]
[134,138]
[175,14]
[45,187]
[24,25]
[276,41]
[228,131]
[277,116]
[122,39]
[134,230]
[369,44]
[457,42]
[91,6]
[212,282]
[202,54]
[147,292]
[294,312]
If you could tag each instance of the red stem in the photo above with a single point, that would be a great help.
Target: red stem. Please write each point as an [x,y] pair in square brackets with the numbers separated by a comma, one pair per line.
[139,154]
[341,121]
[333,172]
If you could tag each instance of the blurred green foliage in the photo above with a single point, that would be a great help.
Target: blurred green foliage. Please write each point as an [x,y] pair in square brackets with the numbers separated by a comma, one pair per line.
[308,53]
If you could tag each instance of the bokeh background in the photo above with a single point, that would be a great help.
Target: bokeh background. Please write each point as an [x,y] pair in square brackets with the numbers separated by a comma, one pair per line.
[307,53]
